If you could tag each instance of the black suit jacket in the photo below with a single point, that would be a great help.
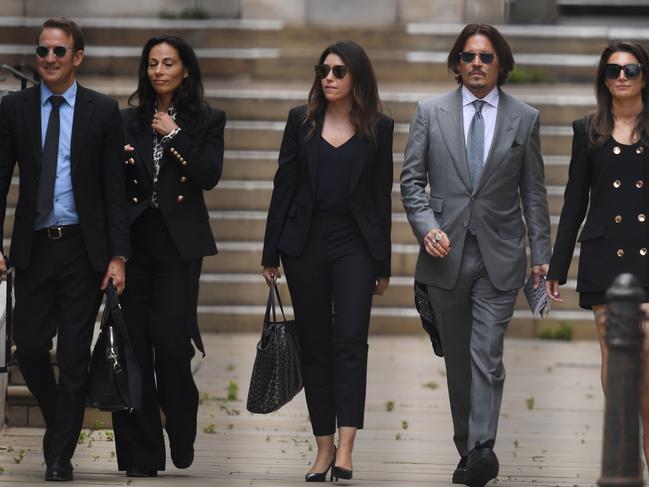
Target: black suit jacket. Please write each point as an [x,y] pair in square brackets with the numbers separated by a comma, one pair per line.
[615,195]
[293,199]
[97,176]
[191,163]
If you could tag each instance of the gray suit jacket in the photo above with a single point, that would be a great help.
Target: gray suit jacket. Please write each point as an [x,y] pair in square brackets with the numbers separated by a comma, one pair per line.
[436,155]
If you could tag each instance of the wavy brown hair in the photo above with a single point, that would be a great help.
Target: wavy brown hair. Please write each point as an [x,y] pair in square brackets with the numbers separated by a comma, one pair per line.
[366,105]
[602,123]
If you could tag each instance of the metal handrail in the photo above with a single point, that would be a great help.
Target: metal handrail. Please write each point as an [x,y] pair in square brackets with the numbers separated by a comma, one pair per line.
[24,79]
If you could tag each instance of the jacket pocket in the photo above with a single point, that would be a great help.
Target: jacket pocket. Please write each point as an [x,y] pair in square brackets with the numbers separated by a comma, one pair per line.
[592,232]
[436,204]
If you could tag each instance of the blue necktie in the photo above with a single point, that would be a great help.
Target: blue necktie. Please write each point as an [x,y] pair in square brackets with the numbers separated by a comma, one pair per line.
[475,144]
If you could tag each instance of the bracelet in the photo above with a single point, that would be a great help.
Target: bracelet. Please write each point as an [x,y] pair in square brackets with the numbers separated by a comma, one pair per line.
[170,135]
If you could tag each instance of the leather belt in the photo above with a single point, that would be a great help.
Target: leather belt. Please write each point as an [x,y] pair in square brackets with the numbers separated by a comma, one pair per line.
[57,233]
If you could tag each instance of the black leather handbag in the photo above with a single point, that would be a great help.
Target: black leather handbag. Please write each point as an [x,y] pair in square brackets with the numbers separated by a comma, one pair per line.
[276,374]
[115,377]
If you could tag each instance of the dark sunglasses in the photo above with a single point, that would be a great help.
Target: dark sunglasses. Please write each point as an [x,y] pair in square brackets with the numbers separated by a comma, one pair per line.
[59,51]
[631,71]
[322,70]
[485,57]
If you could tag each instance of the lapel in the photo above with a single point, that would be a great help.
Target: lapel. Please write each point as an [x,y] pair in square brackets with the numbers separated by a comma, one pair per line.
[507,120]
[33,121]
[312,153]
[451,124]
[83,108]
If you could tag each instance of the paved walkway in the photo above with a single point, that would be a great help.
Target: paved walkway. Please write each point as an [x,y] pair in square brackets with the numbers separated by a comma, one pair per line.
[550,428]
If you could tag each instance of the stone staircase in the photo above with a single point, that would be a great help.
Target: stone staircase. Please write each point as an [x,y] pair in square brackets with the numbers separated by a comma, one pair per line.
[256,71]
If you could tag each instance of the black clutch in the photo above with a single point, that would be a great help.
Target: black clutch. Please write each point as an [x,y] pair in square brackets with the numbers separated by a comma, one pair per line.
[115,377]
[428,321]
[276,375]
[537,298]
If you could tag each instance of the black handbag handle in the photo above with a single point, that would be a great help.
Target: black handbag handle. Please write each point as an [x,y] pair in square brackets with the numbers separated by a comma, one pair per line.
[270,305]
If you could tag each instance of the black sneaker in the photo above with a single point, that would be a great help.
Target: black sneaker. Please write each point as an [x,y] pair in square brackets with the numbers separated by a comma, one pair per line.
[482,465]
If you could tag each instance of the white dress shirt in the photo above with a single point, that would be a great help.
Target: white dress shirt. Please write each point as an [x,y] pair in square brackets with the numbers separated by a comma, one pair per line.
[489,112]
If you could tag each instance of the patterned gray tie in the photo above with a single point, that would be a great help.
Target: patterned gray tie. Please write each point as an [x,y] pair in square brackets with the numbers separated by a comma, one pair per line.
[475,144]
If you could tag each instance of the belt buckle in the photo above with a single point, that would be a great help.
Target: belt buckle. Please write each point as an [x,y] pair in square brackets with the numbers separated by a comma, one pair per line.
[54,233]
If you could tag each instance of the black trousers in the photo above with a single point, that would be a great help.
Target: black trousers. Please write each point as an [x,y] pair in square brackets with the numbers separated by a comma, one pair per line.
[154,305]
[331,285]
[58,294]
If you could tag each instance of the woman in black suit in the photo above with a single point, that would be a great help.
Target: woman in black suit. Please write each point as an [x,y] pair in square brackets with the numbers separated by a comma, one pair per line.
[609,176]
[330,220]
[174,153]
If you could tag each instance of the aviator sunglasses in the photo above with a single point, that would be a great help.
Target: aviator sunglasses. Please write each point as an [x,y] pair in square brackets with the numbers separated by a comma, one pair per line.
[59,51]
[485,57]
[631,71]
[322,70]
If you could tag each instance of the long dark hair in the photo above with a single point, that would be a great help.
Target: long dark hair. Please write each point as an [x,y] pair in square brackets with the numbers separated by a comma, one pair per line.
[503,51]
[188,98]
[602,123]
[366,105]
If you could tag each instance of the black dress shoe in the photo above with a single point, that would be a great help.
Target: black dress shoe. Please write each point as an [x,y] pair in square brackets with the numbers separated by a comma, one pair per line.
[341,473]
[182,459]
[460,471]
[59,471]
[141,472]
[321,476]
[482,465]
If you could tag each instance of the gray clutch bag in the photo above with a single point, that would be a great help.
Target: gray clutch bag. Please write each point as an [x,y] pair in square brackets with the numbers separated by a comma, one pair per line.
[537,298]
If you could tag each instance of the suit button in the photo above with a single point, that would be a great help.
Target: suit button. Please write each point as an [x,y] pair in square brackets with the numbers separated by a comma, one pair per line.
[183,179]
[641,218]
[639,183]
[620,252]
[617,183]
[180,198]
[643,251]
[134,200]
[618,218]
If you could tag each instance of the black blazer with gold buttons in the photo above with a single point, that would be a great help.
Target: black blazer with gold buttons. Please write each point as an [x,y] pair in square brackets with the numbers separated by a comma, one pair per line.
[191,164]
[610,183]
[293,199]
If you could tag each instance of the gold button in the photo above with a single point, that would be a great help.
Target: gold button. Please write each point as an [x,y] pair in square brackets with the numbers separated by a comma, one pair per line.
[641,217]
[643,251]
[616,150]
[183,179]
[617,183]
[184,162]
[135,181]
[134,200]
[639,149]
[180,198]
[620,252]
[172,150]
[618,218]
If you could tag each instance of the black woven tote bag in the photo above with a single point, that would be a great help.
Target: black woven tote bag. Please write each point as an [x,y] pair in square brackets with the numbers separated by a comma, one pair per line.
[276,374]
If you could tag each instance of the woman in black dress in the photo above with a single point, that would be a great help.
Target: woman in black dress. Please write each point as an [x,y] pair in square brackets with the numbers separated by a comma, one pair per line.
[330,220]
[174,153]
[609,176]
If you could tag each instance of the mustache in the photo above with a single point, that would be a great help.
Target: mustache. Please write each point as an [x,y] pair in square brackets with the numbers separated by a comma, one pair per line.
[477,71]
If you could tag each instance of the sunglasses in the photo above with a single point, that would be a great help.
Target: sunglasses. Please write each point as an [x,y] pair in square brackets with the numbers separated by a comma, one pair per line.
[59,51]
[631,71]
[322,70]
[485,57]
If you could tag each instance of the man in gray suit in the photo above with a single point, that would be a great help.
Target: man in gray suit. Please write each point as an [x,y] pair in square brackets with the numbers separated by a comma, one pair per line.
[478,149]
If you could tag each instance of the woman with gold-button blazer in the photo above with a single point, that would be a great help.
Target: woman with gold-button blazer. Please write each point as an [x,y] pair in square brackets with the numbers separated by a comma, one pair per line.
[608,178]
[174,152]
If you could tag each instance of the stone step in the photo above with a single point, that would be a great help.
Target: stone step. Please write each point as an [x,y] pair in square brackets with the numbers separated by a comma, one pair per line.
[251,290]
[244,257]
[224,319]
[267,136]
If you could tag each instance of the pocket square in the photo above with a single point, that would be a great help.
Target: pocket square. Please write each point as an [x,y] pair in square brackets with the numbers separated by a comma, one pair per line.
[537,298]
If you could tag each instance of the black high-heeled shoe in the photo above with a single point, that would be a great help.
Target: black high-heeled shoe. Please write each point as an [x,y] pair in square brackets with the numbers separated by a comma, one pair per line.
[321,476]
[341,473]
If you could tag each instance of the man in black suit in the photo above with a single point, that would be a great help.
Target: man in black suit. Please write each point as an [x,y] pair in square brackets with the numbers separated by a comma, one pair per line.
[70,233]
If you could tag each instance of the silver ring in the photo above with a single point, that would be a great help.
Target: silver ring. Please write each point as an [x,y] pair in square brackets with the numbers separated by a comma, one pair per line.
[438,237]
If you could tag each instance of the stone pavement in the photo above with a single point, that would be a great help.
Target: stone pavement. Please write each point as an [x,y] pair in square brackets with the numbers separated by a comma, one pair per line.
[550,428]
